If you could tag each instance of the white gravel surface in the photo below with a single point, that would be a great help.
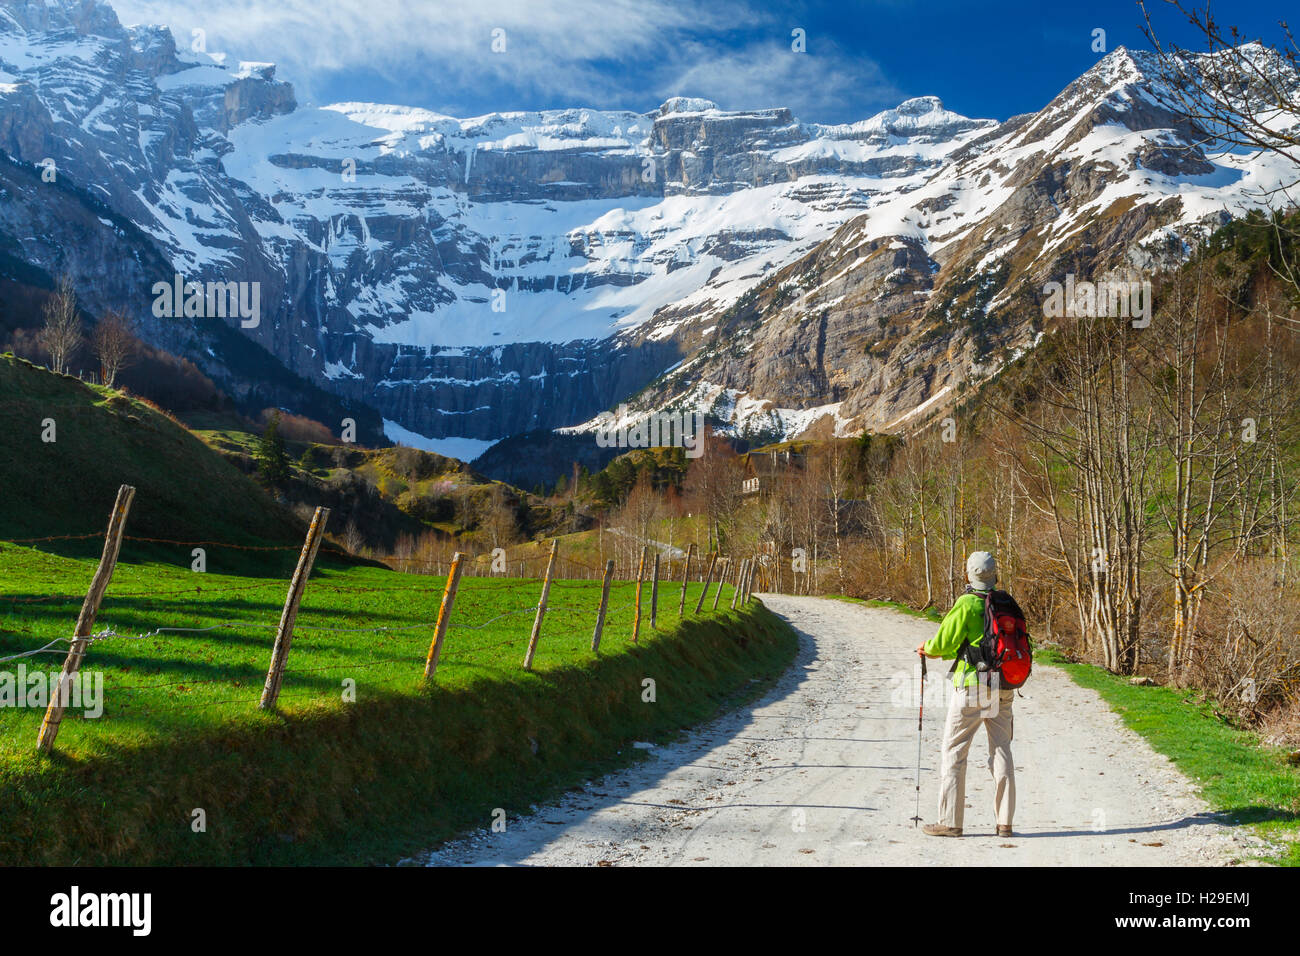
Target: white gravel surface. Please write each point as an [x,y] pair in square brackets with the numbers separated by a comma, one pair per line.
[822,771]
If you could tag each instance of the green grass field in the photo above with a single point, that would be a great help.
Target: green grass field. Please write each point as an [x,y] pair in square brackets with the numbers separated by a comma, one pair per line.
[1250,784]
[324,779]
[190,651]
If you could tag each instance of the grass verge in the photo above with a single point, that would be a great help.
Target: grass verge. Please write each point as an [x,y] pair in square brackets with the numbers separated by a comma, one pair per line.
[929,614]
[1246,782]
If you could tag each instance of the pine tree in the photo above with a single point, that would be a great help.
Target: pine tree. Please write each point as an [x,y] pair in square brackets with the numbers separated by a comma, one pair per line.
[272,459]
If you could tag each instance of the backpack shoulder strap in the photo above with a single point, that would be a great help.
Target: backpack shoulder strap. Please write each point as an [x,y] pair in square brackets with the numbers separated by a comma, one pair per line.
[962,653]
[967,649]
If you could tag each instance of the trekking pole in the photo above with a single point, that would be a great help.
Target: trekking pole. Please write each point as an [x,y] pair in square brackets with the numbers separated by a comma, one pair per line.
[919,717]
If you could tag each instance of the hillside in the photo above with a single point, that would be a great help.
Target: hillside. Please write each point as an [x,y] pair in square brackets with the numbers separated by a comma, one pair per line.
[382,496]
[102,439]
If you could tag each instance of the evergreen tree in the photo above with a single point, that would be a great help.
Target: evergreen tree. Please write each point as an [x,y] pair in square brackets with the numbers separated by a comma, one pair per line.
[272,459]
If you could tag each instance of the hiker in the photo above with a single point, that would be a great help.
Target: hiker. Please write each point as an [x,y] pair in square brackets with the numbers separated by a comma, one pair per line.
[976,700]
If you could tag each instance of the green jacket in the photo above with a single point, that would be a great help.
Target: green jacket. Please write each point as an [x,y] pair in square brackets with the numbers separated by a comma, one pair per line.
[965,620]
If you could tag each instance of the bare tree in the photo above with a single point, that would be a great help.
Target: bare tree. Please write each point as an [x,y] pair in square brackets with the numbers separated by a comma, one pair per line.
[834,481]
[115,343]
[353,539]
[910,496]
[1236,92]
[1184,388]
[497,520]
[1093,425]
[788,506]
[713,487]
[642,511]
[404,552]
[1216,402]
[61,334]
[1239,94]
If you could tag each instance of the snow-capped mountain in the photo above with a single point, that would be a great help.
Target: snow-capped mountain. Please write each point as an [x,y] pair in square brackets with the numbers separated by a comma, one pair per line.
[473,279]
[463,276]
[935,287]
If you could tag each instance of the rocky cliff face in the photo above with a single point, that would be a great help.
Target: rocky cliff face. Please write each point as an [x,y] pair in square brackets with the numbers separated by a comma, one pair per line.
[465,277]
[932,290]
[478,268]
[100,112]
[473,279]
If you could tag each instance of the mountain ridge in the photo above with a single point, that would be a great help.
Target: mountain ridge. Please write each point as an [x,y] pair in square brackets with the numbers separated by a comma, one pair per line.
[476,278]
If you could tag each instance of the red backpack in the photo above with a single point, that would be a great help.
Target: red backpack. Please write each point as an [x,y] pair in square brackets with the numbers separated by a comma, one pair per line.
[1005,648]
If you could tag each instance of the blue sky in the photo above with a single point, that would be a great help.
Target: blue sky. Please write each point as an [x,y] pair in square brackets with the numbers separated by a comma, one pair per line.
[983,60]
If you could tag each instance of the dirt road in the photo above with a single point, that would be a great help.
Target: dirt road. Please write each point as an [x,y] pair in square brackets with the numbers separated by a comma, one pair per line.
[822,771]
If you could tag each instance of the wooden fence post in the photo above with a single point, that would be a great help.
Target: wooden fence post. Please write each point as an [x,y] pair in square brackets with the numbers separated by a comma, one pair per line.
[541,607]
[686,577]
[722,578]
[604,605]
[707,578]
[740,577]
[86,619]
[444,615]
[640,576]
[654,593]
[284,633]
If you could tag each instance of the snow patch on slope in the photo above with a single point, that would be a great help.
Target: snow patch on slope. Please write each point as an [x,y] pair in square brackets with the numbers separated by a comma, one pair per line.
[465,449]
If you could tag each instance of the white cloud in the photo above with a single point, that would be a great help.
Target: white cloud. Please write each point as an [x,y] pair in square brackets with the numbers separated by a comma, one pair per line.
[602,53]
[814,84]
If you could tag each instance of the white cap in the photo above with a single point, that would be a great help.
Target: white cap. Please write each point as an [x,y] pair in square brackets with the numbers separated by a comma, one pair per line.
[982,571]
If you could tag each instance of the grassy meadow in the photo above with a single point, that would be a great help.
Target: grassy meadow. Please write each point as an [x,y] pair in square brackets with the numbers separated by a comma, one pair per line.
[363,760]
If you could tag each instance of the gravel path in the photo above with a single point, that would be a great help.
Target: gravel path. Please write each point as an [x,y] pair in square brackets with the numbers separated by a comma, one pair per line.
[822,771]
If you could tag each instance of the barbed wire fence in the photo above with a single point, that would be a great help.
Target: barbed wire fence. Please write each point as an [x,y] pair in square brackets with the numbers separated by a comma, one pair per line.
[564,602]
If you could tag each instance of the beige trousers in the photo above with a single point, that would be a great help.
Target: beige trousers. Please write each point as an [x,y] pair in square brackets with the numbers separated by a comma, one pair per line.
[970,707]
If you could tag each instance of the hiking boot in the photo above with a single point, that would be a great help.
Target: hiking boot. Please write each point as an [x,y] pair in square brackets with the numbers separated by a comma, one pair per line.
[1004,831]
[938,829]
